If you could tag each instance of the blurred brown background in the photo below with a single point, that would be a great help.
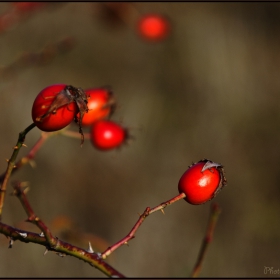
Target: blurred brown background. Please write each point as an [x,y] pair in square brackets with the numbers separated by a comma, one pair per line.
[212,90]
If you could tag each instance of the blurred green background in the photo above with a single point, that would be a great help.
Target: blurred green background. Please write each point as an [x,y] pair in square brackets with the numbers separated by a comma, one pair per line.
[211,90]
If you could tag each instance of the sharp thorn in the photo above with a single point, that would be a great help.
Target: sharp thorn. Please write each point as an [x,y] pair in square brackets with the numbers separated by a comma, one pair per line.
[90,250]
[32,163]
[23,234]
[46,251]
[15,147]
[61,254]
[11,242]
[24,184]
[162,211]
[25,189]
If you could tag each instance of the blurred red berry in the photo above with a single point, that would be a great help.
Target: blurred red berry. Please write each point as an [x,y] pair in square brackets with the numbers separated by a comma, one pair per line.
[107,135]
[202,181]
[24,7]
[153,27]
[100,104]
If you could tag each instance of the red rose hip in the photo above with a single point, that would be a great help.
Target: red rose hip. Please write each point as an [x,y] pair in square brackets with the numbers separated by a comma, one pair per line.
[56,120]
[101,104]
[56,106]
[107,135]
[202,181]
[153,27]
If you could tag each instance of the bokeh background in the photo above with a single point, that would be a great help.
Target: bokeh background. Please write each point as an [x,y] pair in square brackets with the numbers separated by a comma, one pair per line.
[211,90]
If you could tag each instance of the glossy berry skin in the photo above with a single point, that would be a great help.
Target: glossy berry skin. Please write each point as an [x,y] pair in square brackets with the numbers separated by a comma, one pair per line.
[198,186]
[107,135]
[54,121]
[100,105]
[153,27]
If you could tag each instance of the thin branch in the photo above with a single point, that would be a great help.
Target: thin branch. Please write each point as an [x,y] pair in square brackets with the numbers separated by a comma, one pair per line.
[214,215]
[11,165]
[62,249]
[18,13]
[141,219]
[20,193]
[44,136]
[52,243]
[39,58]
[30,156]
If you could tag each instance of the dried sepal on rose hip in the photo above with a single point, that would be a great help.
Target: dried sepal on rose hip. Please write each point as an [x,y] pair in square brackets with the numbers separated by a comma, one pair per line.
[57,106]
[202,181]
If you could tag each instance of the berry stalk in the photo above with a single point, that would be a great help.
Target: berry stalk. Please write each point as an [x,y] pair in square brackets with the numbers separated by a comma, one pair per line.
[11,164]
[141,219]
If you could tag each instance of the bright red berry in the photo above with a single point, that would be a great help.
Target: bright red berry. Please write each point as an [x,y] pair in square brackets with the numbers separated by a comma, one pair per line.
[107,135]
[153,27]
[202,181]
[57,119]
[100,104]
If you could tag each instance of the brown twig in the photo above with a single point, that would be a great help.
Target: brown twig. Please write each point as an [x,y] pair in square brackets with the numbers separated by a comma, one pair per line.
[215,212]
[33,59]
[62,249]
[19,192]
[11,165]
[20,11]
[141,219]
[49,241]
[30,156]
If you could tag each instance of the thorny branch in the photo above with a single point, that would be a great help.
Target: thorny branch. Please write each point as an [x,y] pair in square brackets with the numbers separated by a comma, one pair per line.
[62,248]
[30,156]
[52,243]
[141,219]
[11,165]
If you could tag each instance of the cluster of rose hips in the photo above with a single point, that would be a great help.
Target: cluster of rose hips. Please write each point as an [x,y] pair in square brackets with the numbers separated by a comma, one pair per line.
[59,105]
[56,106]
